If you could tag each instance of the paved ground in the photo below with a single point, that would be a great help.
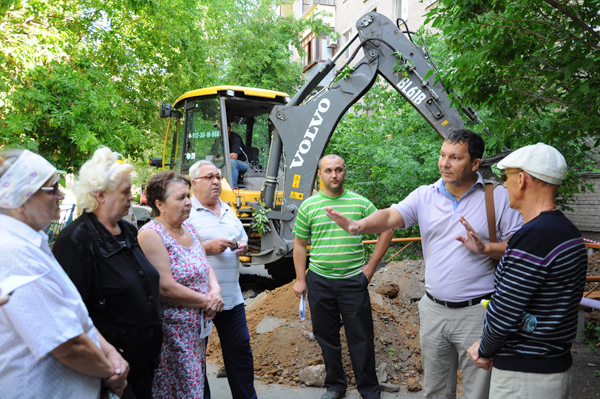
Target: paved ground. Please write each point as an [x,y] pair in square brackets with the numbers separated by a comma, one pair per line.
[220,390]
[586,362]
[585,386]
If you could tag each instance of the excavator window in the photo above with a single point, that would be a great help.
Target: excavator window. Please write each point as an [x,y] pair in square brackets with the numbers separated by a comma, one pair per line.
[256,136]
[202,132]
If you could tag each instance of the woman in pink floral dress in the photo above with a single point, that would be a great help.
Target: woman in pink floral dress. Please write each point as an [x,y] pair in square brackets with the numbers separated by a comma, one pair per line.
[189,290]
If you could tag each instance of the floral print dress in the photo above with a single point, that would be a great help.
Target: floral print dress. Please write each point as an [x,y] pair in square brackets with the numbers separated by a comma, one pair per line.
[181,371]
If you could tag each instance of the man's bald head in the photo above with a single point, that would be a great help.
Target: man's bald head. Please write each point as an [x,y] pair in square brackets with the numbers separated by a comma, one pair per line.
[330,157]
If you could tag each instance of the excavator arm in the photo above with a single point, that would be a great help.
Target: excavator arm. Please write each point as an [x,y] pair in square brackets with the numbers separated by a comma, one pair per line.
[304,130]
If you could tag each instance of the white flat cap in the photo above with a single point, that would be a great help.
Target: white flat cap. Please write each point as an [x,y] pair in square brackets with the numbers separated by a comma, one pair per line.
[540,160]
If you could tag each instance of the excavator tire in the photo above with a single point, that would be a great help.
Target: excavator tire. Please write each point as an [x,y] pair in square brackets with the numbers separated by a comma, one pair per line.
[282,270]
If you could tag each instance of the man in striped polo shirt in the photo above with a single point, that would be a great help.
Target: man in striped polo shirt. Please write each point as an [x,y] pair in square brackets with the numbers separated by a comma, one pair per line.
[337,280]
[542,274]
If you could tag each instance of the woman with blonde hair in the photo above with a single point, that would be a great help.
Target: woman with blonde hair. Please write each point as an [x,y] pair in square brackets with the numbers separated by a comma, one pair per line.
[100,253]
[189,291]
[49,347]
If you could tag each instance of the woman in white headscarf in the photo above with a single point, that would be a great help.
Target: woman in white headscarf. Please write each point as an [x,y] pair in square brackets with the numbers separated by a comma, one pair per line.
[49,347]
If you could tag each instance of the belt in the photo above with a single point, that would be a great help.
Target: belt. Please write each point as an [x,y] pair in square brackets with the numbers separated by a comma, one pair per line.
[457,305]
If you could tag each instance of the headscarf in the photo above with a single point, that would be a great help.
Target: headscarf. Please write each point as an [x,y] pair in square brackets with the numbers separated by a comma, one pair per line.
[23,179]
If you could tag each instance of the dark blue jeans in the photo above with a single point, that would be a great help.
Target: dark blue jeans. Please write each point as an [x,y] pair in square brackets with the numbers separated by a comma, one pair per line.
[328,298]
[237,167]
[237,354]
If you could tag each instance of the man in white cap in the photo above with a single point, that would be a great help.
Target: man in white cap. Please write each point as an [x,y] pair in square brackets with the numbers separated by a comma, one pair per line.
[542,273]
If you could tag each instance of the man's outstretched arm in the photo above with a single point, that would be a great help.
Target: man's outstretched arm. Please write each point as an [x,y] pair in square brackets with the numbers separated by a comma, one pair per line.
[375,223]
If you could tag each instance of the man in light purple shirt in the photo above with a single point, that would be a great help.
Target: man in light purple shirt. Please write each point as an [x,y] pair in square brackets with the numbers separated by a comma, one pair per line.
[458,269]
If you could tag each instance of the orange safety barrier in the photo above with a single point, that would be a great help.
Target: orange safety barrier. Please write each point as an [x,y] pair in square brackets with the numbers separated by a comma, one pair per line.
[595,294]
[408,239]
[587,244]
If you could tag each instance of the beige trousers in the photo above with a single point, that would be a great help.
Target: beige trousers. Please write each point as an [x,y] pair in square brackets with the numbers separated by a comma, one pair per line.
[519,385]
[446,334]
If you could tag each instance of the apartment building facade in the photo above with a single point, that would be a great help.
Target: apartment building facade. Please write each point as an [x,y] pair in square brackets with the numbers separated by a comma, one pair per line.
[342,17]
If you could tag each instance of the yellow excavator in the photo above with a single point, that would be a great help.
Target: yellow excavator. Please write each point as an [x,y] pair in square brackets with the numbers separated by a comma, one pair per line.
[286,137]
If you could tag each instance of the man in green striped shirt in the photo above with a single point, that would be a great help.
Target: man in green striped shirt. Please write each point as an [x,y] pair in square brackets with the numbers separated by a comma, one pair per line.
[337,279]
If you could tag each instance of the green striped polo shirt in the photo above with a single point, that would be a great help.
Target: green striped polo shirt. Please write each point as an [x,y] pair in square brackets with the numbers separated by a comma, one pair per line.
[333,252]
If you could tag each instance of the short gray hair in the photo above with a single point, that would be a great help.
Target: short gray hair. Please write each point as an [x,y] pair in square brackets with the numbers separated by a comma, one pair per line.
[195,168]
[96,175]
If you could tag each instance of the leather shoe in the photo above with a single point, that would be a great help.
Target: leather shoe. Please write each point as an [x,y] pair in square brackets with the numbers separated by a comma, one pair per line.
[333,395]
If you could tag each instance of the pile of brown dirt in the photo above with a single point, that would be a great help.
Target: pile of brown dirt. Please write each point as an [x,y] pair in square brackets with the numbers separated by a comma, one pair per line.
[594,264]
[279,355]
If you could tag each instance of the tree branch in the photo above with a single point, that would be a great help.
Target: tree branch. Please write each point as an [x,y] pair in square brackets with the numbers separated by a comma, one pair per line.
[523,29]
[573,17]
[535,96]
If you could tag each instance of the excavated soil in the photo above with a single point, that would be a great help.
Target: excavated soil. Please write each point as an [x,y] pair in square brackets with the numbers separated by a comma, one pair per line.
[593,266]
[279,355]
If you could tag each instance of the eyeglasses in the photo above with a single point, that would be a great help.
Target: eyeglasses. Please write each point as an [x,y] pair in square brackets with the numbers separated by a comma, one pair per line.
[210,177]
[504,175]
[53,190]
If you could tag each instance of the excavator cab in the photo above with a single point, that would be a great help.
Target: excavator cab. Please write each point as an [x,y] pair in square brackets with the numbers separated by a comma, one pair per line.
[201,118]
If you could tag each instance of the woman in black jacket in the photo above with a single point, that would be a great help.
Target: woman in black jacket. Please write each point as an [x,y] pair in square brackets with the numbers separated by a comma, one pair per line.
[100,253]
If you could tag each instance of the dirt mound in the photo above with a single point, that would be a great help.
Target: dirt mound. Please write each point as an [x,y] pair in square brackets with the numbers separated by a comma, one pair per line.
[594,264]
[280,354]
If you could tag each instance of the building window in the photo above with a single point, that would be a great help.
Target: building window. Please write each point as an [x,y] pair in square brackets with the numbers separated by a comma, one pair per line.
[401,9]
[346,40]
[306,4]
[286,10]
[315,48]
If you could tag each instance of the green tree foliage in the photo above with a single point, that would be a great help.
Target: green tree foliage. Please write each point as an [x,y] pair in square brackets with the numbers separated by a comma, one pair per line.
[75,74]
[534,65]
[389,149]
[65,113]
[260,48]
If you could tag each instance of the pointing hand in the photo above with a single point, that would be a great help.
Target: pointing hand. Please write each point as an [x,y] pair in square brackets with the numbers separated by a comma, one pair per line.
[344,222]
